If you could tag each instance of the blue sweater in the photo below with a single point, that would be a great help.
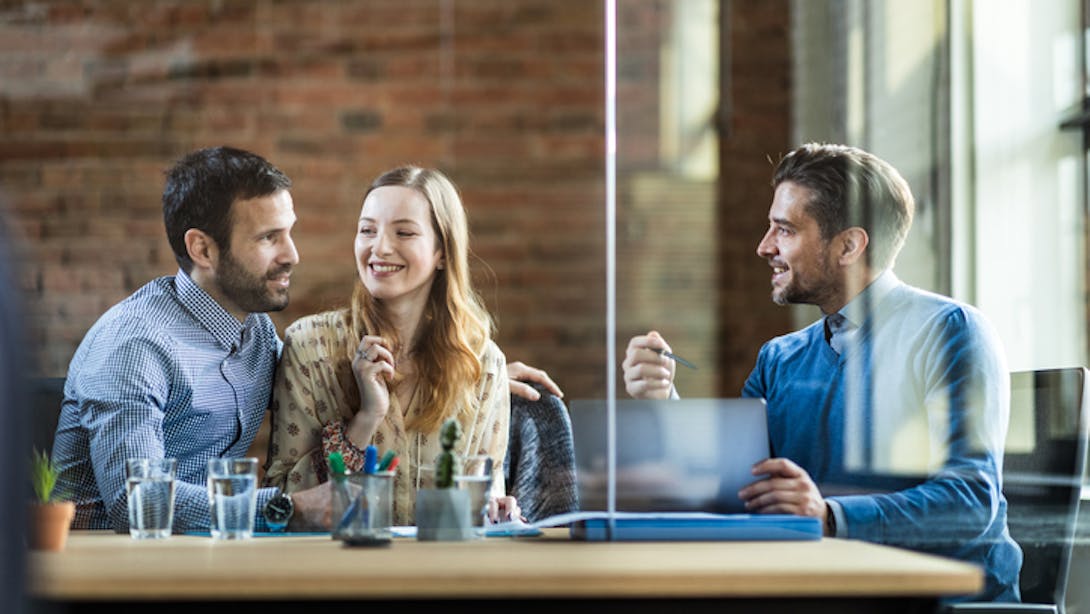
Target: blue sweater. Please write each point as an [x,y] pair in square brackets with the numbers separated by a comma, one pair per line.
[904,432]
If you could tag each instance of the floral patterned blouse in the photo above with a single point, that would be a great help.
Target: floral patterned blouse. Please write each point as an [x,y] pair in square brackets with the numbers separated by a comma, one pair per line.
[315,395]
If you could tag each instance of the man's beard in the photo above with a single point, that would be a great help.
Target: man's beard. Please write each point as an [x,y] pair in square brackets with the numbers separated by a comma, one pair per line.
[248,291]
[815,291]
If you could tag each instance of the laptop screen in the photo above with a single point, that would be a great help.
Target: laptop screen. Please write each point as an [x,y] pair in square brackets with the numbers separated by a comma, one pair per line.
[1043,475]
[672,455]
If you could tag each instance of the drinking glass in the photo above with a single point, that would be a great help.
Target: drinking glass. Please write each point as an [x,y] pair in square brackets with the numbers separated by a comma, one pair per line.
[476,478]
[367,512]
[232,497]
[149,487]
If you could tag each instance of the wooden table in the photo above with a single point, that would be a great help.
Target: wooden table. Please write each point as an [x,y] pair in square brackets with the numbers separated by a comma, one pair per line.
[107,571]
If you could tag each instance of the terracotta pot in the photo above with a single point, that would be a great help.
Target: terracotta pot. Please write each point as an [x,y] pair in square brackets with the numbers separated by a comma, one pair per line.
[49,524]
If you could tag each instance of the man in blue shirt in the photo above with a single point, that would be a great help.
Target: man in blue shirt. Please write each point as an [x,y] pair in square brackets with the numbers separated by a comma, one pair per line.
[887,417]
[183,367]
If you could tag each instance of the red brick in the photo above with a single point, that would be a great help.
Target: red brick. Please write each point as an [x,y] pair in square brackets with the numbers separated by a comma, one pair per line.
[515,117]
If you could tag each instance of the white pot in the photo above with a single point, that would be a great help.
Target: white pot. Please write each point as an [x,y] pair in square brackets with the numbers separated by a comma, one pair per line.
[442,514]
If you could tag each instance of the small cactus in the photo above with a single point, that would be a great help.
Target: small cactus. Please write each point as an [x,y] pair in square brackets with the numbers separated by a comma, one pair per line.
[449,435]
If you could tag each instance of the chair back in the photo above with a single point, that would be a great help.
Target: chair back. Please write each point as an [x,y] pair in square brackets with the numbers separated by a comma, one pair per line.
[540,462]
[1044,470]
[45,396]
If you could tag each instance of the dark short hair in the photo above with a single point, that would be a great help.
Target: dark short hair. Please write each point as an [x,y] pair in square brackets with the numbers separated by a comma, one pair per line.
[851,187]
[203,185]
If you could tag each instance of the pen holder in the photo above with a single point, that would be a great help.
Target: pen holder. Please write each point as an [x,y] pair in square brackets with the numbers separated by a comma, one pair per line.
[362,506]
[443,514]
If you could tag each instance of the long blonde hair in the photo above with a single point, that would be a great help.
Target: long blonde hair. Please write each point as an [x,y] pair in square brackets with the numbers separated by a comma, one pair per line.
[455,325]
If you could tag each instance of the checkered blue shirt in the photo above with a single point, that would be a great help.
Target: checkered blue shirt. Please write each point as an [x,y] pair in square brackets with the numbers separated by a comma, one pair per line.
[166,373]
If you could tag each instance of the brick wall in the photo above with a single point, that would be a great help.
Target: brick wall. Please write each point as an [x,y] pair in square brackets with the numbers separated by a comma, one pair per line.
[97,99]
[756,130]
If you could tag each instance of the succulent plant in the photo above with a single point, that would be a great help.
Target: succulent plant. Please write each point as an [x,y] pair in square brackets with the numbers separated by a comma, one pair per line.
[43,476]
[449,435]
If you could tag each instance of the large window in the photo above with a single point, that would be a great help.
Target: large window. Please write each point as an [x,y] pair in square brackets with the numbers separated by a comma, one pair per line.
[967,101]
[1027,266]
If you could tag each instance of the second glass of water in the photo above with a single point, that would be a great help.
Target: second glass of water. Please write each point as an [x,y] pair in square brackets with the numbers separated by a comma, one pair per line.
[149,486]
[232,497]
[476,478]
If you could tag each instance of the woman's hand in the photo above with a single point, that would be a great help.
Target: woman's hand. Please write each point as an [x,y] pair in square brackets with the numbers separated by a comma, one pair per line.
[373,367]
[504,509]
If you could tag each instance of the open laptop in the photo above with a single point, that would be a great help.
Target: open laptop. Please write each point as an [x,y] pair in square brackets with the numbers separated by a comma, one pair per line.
[1044,481]
[677,455]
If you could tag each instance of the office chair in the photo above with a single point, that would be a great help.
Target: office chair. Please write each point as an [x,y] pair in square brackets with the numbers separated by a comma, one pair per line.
[45,396]
[540,464]
[1044,469]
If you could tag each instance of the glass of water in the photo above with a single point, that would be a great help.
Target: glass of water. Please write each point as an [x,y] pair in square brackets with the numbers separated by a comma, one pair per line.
[149,487]
[232,497]
[476,478]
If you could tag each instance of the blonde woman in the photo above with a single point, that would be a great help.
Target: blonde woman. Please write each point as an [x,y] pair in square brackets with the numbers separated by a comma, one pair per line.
[412,349]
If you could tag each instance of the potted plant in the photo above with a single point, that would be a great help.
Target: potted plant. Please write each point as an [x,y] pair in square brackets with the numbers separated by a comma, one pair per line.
[442,513]
[50,517]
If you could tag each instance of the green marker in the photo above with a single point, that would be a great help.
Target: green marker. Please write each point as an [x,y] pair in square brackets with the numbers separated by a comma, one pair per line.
[387,458]
[336,464]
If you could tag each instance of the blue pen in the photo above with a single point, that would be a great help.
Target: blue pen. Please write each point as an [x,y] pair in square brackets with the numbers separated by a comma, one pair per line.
[370,459]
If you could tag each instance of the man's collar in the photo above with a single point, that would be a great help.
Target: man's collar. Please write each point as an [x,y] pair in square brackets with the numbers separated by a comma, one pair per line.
[859,308]
[210,314]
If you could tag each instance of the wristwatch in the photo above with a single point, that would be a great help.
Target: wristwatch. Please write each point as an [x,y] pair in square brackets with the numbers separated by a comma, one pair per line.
[830,520]
[278,512]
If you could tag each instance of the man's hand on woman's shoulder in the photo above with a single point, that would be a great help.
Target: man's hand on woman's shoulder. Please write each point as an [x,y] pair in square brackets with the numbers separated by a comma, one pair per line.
[519,372]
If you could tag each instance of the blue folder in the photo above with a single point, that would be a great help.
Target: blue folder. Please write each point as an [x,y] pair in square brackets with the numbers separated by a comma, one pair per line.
[696,526]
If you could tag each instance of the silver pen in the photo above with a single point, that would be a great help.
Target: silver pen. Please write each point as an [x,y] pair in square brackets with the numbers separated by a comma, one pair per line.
[678,359]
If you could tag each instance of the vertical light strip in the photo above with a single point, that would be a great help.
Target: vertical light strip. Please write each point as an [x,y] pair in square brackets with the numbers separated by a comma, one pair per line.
[611,265]
[962,248]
